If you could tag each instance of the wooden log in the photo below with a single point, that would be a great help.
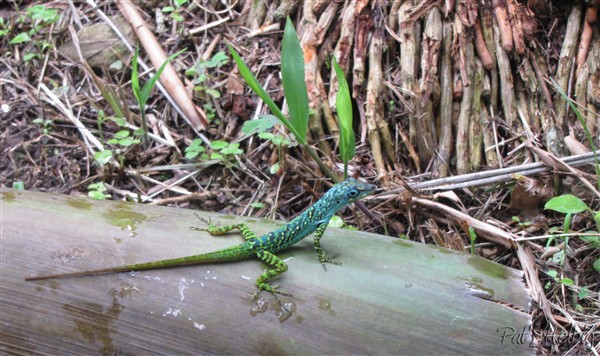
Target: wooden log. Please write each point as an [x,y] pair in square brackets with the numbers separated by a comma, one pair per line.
[388,297]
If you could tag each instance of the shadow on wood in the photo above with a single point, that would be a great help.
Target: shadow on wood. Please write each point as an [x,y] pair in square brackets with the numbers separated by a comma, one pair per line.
[388,297]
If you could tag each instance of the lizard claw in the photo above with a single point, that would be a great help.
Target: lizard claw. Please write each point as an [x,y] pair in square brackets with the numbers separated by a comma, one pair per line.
[204,220]
[324,259]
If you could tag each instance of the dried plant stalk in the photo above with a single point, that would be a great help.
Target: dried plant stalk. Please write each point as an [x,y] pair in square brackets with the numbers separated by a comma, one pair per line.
[506,81]
[563,70]
[423,104]
[462,128]
[408,61]
[441,164]
[374,106]
[475,132]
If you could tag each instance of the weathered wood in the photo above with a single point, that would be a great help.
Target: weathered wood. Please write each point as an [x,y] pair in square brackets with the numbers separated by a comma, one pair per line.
[388,296]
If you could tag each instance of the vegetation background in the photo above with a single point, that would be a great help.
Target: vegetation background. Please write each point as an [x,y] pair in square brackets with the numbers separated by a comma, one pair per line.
[440,89]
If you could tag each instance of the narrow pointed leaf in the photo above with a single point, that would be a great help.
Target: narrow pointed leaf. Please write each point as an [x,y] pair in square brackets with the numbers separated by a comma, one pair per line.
[294,85]
[343,106]
[145,94]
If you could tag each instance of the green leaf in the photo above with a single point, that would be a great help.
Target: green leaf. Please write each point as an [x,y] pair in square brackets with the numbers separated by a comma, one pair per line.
[18,185]
[294,84]
[552,273]
[336,221]
[214,93]
[168,9]
[20,38]
[219,59]
[122,134]
[149,85]
[232,149]
[597,265]
[344,109]
[583,292]
[102,157]
[275,168]
[593,240]
[29,56]
[218,145]
[135,80]
[258,205]
[257,88]
[567,281]
[126,142]
[565,204]
[262,124]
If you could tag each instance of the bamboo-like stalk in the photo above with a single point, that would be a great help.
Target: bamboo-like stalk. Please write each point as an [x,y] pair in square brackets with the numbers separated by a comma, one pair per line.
[408,61]
[462,128]
[475,132]
[565,63]
[506,80]
[441,163]
[425,122]
[487,28]
[376,124]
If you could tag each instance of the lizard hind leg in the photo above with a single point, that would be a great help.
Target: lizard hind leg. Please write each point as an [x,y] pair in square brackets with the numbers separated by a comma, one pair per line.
[279,268]
[214,229]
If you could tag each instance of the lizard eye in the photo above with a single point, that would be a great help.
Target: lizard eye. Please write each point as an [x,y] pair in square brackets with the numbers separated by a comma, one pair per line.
[353,193]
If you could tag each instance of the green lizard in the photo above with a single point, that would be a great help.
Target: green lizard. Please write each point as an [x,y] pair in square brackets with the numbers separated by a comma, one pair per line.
[314,219]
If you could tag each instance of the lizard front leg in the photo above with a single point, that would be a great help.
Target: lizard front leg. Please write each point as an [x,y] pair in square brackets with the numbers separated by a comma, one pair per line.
[279,267]
[322,257]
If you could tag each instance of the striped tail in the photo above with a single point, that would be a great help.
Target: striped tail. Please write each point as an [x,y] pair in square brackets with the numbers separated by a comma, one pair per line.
[234,253]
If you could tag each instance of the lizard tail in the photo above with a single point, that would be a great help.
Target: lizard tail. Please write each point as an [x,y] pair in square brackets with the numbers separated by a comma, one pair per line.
[234,253]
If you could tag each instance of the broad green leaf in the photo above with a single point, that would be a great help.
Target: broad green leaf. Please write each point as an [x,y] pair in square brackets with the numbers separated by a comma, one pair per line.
[218,144]
[252,82]
[565,204]
[336,221]
[597,265]
[344,109]
[294,84]
[259,125]
[103,157]
[20,38]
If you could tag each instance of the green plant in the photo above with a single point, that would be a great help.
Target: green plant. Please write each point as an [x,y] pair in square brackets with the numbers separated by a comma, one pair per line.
[194,149]
[261,126]
[294,87]
[174,11]
[96,191]
[220,150]
[45,125]
[200,73]
[344,110]
[18,185]
[472,237]
[569,204]
[142,95]
[40,17]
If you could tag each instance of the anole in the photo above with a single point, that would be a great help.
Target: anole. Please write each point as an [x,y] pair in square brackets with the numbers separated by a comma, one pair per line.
[314,219]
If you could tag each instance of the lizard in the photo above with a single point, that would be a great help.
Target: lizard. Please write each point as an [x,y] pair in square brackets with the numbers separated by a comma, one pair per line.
[313,219]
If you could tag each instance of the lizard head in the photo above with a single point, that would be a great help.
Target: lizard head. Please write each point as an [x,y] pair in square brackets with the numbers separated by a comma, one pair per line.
[347,192]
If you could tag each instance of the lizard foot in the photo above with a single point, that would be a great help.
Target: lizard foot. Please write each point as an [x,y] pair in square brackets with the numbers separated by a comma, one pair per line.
[208,222]
[274,290]
[324,259]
